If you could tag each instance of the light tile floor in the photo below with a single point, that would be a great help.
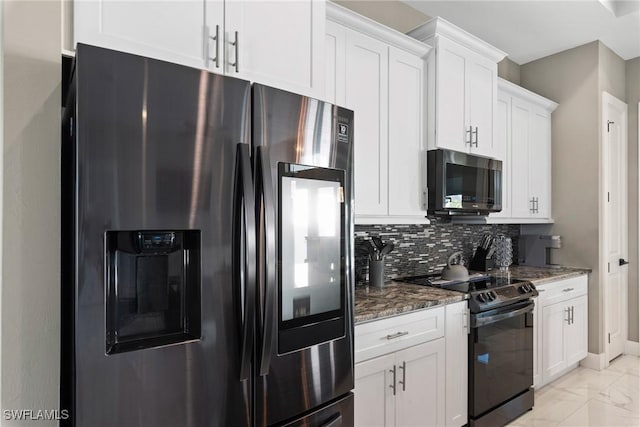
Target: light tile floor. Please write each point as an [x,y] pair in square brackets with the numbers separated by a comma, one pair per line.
[585,398]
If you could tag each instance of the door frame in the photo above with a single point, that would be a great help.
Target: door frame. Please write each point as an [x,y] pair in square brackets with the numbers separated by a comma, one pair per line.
[605,99]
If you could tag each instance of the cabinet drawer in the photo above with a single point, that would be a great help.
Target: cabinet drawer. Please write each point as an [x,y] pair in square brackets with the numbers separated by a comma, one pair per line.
[551,293]
[384,336]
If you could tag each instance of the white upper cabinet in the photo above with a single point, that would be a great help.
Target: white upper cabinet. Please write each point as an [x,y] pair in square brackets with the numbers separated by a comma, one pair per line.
[278,43]
[522,137]
[528,173]
[379,74]
[407,159]
[367,94]
[462,73]
[170,30]
[501,138]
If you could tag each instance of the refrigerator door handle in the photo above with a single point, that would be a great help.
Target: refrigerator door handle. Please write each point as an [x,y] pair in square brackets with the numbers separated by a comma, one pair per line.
[245,266]
[263,175]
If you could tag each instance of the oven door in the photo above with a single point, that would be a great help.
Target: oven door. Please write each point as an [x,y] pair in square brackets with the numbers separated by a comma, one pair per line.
[501,356]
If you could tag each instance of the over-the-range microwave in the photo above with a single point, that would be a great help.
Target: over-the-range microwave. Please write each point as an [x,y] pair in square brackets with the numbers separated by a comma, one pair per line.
[463,184]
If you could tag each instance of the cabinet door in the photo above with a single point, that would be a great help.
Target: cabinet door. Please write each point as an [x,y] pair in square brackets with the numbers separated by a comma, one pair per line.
[374,396]
[407,156]
[367,79]
[335,51]
[554,358]
[540,162]
[456,336]
[173,31]
[279,43]
[481,87]
[502,143]
[576,332]
[521,205]
[421,385]
[451,128]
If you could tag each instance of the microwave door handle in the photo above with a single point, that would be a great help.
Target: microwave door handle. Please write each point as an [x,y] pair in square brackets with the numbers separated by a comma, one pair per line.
[245,254]
[268,262]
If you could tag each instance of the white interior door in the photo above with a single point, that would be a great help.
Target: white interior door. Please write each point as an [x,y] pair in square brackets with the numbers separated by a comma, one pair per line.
[615,237]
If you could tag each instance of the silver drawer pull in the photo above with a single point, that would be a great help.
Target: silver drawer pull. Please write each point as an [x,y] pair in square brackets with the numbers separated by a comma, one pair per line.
[541,290]
[397,335]
[567,290]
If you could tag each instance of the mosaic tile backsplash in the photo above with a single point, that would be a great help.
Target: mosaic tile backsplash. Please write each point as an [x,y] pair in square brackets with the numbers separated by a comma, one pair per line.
[423,249]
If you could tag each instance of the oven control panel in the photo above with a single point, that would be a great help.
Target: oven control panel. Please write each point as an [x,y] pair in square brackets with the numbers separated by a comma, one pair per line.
[487,299]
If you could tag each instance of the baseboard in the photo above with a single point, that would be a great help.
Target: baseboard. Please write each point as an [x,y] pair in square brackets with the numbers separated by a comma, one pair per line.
[595,361]
[632,348]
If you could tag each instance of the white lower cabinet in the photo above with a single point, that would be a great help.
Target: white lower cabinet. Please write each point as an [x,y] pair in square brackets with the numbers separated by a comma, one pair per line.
[415,384]
[374,399]
[562,327]
[457,343]
[405,388]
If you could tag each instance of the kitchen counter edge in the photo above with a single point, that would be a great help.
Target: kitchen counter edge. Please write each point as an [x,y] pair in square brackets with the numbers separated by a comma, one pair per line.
[397,298]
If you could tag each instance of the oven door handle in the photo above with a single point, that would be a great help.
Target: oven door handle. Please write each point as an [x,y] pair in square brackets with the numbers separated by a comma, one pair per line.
[478,321]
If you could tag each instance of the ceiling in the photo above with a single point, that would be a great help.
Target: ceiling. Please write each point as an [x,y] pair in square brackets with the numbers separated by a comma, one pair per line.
[532,29]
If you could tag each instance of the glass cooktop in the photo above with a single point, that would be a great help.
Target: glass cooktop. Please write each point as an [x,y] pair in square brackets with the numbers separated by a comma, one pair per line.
[476,282]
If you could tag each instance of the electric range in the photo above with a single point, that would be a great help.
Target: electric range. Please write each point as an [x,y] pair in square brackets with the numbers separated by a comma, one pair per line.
[500,346]
[485,292]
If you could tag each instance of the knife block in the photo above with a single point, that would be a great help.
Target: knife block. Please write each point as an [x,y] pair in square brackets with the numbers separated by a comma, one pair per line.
[480,261]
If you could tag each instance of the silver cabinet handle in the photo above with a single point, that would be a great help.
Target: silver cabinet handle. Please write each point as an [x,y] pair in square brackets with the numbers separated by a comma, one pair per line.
[532,209]
[404,375]
[476,132]
[397,335]
[216,58]
[235,45]
[568,319]
[572,307]
[567,289]
[467,316]
[393,383]
[470,133]
[537,210]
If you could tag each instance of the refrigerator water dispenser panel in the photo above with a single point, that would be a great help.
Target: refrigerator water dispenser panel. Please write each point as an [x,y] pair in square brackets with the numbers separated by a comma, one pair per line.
[153,288]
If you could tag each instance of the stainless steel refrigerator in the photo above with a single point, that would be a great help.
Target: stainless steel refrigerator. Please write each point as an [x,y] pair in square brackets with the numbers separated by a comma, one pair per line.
[207,250]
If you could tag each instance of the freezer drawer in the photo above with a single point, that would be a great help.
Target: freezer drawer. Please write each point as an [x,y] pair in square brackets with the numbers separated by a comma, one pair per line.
[337,414]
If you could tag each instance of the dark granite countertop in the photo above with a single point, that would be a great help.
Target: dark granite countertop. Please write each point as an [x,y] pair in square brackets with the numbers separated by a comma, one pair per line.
[398,298]
[542,275]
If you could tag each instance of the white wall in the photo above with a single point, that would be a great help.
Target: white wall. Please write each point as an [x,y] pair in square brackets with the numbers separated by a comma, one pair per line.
[30,293]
